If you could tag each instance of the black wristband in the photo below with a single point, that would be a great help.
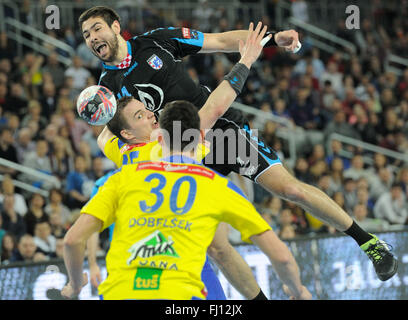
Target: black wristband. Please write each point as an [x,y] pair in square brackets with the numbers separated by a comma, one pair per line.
[237,77]
[260,296]
[272,41]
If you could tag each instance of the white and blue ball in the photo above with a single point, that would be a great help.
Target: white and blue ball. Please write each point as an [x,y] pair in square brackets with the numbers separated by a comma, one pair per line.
[96,105]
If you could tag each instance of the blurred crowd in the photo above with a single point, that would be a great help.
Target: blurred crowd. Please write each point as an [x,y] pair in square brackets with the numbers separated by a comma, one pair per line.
[319,93]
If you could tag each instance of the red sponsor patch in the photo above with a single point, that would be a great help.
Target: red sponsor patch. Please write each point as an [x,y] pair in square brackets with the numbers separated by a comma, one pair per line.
[186,33]
[204,292]
[128,147]
[181,168]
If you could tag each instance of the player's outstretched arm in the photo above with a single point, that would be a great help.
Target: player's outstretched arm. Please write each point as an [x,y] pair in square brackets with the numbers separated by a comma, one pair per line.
[284,264]
[221,98]
[228,41]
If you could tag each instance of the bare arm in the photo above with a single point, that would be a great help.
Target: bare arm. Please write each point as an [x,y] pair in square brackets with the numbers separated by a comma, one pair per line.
[92,247]
[104,137]
[222,97]
[283,262]
[232,265]
[228,41]
[74,252]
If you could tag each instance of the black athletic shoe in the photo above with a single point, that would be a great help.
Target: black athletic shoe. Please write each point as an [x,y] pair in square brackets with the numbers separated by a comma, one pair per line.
[384,262]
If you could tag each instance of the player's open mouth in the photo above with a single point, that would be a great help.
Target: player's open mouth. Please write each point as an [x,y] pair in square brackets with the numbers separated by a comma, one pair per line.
[101,49]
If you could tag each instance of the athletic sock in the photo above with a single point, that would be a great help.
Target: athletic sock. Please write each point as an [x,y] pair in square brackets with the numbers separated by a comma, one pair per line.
[358,234]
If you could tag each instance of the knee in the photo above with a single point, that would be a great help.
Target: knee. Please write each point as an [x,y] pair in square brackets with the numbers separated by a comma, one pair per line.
[293,191]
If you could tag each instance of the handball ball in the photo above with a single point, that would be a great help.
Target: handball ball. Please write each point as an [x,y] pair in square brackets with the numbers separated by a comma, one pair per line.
[96,105]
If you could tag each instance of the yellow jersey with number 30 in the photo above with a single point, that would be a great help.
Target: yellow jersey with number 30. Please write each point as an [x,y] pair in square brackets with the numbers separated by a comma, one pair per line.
[166,214]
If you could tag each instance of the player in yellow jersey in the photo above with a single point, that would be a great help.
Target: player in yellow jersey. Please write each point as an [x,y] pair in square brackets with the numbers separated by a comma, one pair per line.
[166,214]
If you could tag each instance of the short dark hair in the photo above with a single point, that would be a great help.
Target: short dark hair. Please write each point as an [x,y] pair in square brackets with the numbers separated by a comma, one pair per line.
[107,14]
[119,122]
[186,114]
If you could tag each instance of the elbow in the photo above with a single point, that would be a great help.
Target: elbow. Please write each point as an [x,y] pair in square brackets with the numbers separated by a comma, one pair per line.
[283,259]
[70,240]
[219,108]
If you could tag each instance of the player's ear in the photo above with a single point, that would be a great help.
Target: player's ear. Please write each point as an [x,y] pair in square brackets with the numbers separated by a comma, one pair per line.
[127,134]
[160,138]
[116,26]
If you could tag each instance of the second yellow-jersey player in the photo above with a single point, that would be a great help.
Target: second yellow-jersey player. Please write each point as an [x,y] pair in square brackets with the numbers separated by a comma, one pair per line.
[121,153]
[166,214]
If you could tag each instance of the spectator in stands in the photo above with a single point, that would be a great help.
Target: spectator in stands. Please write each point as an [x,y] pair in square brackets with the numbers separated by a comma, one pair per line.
[17,101]
[58,229]
[402,179]
[7,150]
[392,206]
[76,127]
[24,144]
[350,194]
[299,220]
[323,183]
[285,218]
[357,170]
[49,134]
[90,62]
[203,16]
[43,238]
[90,137]
[340,126]
[8,247]
[77,184]
[56,206]
[287,232]
[336,175]
[12,221]
[363,197]
[381,182]
[35,212]
[48,100]
[317,170]
[54,68]
[317,154]
[40,161]
[85,152]
[302,110]
[7,188]
[301,170]
[7,47]
[62,161]
[78,73]
[360,213]
[13,122]
[34,113]
[59,249]
[334,77]
[27,251]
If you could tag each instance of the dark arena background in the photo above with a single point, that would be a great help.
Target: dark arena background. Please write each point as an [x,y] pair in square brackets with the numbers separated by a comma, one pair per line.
[336,112]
